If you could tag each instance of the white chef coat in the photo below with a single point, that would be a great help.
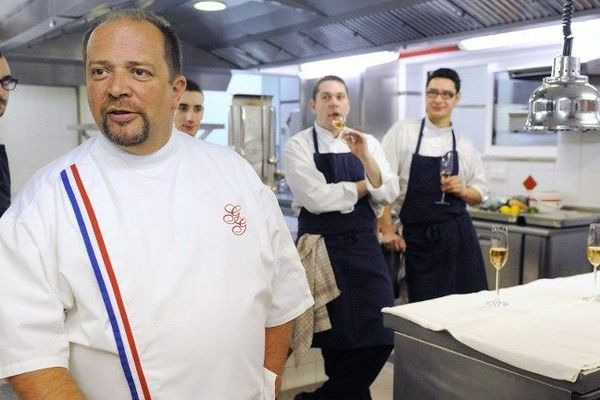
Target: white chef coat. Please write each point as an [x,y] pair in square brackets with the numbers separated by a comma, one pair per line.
[400,143]
[198,296]
[309,186]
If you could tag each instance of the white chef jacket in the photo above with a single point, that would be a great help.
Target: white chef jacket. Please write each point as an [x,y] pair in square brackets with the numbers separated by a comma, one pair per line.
[309,186]
[199,280]
[400,143]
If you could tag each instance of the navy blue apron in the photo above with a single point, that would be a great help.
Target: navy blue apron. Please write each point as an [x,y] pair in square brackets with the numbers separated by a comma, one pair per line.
[357,261]
[442,250]
[4,181]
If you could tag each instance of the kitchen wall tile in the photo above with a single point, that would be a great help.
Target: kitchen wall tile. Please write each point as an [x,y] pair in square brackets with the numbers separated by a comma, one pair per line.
[590,153]
[497,189]
[568,153]
[545,180]
[589,190]
[520,166]
[543,166]
[496,172]
[567,184]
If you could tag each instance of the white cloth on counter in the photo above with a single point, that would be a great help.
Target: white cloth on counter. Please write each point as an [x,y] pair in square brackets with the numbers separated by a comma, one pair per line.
[199,279]
[547,328]
[309,186]
[400,143]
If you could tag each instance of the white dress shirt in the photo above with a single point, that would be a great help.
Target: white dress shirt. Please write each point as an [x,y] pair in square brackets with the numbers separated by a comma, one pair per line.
[400,143]
[309,186]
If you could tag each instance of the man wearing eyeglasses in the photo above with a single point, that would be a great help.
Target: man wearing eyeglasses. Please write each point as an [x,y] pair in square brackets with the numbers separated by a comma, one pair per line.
[442,250]
[7,83]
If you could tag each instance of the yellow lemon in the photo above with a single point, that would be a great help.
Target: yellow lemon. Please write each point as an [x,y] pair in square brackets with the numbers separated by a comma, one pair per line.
[515,209]
[504,209]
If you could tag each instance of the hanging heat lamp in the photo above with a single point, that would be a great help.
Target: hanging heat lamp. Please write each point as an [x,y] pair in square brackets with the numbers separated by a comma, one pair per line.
[565,101]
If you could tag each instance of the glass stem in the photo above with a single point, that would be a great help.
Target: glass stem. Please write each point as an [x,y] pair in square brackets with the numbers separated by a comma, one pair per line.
[595,288]
[497,286]
[443,196]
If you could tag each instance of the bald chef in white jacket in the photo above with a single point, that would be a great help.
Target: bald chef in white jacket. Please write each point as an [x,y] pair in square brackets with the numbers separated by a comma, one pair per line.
[145,264]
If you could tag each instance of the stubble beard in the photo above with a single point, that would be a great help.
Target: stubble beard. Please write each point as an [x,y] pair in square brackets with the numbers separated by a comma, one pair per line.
[123,139]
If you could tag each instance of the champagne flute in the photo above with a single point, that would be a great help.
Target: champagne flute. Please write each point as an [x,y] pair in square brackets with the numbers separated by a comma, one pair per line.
[446,164]
[593,256]
[339,122]
[498,255]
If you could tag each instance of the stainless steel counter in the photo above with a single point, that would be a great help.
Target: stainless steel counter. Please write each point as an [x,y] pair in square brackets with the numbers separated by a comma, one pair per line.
[434,365]
[563,218]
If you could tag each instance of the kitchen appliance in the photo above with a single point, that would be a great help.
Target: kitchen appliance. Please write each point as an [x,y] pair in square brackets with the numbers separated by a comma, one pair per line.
[252,135]
[565,101]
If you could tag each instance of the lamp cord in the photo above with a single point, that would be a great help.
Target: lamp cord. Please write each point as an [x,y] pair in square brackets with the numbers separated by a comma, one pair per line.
[566,21]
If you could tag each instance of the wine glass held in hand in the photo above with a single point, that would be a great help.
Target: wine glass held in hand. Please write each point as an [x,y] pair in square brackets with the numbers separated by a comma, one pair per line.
[593,256]
[340,123]
[498,255]
[446,167]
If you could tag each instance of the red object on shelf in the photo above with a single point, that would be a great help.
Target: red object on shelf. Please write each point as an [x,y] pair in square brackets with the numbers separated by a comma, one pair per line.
[529,183]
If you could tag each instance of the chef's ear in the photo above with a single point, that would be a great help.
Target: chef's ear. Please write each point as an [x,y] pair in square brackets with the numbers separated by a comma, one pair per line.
[312,106]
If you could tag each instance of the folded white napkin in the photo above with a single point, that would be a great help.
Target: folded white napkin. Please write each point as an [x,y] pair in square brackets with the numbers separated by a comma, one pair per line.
[547,328]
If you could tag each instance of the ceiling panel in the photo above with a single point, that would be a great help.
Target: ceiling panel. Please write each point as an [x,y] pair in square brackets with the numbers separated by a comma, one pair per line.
[338,37]
[266,52]
[383,28]
[437,18]
[236,57]
[300,45]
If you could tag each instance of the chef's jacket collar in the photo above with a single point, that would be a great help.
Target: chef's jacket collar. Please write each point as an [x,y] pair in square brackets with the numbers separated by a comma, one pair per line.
[432,129]
[146,160]
[325,134]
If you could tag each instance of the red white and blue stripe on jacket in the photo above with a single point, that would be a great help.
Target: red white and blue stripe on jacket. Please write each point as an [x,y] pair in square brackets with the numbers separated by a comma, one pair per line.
[107,282]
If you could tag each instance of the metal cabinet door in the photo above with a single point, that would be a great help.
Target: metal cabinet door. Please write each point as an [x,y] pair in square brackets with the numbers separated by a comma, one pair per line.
[510,275]
[252,134]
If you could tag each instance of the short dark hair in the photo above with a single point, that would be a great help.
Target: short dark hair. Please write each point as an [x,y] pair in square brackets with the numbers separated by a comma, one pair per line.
[445,73]
[172,45]
[325,79]
[192,86]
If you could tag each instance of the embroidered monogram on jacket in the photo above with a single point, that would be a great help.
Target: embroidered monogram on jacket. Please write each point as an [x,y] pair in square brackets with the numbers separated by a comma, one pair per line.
[233,217]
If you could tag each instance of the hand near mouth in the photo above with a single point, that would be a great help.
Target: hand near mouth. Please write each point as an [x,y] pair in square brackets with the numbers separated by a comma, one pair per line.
[357,142]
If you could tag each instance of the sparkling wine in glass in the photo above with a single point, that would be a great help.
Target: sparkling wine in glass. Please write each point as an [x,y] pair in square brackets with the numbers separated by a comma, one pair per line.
[446,164]
[593,256]
[498,255]
[339,122]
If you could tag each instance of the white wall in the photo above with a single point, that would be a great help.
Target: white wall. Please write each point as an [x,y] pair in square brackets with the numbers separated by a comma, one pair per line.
[34,129]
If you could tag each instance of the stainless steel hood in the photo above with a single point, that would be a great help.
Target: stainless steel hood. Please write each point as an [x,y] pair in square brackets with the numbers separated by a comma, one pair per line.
[257,33]
[590,68]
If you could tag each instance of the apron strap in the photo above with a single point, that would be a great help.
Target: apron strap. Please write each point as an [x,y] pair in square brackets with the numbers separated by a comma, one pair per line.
[315,142]
[421,136]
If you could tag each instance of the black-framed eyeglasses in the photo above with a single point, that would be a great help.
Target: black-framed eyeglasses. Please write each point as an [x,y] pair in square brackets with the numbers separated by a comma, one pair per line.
[9,83]
[446,94]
